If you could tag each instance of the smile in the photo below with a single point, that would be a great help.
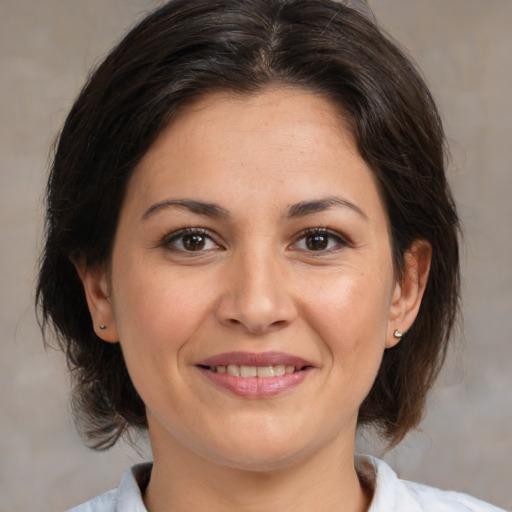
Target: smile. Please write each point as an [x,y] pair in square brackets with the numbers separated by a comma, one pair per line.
[255,376]
[264,372]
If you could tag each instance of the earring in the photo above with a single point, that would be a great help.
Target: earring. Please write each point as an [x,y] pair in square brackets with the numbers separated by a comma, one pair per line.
[103,327]
[397,334]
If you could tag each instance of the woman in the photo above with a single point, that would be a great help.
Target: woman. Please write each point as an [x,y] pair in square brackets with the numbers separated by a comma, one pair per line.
[251,252]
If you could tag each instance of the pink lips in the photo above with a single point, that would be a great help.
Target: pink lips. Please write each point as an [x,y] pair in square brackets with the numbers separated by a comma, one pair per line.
[253,359]
[255,387]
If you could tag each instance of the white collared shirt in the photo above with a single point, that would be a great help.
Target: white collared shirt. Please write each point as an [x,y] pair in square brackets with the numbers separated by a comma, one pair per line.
[390,493]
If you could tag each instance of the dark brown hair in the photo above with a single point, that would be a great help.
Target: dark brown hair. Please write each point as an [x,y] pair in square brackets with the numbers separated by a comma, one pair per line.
[184,50]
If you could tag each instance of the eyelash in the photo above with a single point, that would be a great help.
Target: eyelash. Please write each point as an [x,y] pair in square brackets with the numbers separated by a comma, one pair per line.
[339,240]
[170,240]
[175,236]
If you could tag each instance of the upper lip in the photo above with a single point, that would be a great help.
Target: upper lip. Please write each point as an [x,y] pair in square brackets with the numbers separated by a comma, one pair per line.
[255,359]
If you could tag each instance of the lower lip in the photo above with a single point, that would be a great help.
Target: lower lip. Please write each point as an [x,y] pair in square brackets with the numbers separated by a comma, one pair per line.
[256,387]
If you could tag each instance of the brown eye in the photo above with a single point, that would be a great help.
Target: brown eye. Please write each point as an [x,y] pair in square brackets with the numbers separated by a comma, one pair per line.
[194,242]
[317,242]
[189,240]
[320,240]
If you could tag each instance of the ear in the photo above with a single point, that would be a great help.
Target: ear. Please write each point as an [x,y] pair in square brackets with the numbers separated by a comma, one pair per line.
[96,286]
[407,293]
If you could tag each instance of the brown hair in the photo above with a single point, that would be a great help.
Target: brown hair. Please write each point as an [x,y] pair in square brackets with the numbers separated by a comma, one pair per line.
[184,50]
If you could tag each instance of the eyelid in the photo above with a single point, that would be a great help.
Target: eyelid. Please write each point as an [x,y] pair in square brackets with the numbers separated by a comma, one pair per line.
[167,241]
[342,241]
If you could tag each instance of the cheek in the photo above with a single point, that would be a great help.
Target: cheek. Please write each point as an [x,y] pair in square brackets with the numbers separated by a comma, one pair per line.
[156,309]
[350,313]
[157,316]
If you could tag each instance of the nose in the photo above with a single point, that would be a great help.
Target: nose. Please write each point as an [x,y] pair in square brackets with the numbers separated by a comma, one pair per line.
[257,295]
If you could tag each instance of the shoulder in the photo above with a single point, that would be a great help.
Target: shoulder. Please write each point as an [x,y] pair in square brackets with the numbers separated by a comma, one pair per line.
[436,500]
[126,498]
[104,503]
[392,494]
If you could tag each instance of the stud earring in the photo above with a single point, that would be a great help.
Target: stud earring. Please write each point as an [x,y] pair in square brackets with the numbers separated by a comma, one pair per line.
[103,327]
[397,334]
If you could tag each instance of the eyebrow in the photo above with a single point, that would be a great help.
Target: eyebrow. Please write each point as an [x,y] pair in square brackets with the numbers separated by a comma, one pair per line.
[198,207]
[309,207]
[297,210]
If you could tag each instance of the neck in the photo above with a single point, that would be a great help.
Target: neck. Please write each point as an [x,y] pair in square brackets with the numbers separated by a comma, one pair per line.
[184,482]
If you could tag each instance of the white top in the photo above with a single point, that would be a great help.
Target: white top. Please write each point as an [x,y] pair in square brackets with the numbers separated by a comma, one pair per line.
[390,493]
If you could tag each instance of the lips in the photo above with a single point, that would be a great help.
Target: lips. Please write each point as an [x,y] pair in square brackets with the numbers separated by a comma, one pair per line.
[253,375]
[253,359]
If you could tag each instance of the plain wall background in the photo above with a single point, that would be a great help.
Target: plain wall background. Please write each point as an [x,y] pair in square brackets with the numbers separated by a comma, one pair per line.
[464,48]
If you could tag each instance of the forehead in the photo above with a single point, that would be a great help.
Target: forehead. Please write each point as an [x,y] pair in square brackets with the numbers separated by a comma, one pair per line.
[245,146]
[291,113]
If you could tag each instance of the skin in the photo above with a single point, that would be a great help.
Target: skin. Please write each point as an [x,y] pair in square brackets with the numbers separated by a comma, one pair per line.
[256,285]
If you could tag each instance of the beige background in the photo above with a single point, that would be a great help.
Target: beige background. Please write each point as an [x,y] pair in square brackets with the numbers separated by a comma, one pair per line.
[465,50]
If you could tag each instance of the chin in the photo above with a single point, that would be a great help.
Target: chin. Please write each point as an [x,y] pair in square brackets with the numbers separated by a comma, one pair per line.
[258,453]
[259,462]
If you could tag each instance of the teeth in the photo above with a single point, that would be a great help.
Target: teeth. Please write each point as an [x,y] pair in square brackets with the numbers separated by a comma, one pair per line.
[280,369]
[263,372]
[248,371]
[234,369]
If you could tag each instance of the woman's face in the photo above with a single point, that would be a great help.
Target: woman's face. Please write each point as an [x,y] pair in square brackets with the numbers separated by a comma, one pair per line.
[252,286]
